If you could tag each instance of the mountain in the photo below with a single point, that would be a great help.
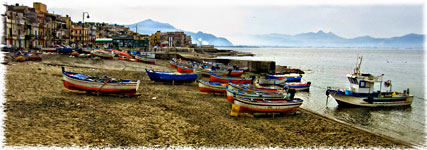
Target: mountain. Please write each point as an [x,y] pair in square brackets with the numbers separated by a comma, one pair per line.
[323,39]
[150,26]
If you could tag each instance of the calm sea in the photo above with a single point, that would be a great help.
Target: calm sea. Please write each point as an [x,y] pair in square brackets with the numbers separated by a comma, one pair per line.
[328,67]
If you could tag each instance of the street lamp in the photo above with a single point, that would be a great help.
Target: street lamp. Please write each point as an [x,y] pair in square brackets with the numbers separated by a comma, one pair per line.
[83,26]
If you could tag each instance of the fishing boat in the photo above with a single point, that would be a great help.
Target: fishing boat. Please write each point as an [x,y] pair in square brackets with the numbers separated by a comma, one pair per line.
[267,81]
[172,63]
[143,59]
[170,77]
[103,53]
[258,89]
[212,87]
[183,69]
[232,93]
[76,81]
[268,105]
[202,71]
[289,77]
[298,86]
[238,80]
[363,93]
[225,72]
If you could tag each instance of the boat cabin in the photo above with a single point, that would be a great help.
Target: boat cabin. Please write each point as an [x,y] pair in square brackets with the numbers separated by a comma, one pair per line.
[362,83]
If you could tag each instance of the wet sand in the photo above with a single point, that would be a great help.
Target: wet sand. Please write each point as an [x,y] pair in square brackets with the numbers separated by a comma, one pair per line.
[41,111]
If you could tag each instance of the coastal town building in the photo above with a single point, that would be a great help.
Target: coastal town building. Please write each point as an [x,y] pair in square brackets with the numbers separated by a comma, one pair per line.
[170,39]
[34,28]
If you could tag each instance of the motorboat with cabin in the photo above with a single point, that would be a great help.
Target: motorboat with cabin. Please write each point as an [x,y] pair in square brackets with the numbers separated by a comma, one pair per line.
[362,91]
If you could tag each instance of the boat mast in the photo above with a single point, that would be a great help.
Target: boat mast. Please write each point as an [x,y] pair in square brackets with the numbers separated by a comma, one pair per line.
[358,63]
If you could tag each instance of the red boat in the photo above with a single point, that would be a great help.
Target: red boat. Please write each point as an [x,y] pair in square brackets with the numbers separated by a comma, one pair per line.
[81,82]
[237,80]
[182,69]
[172,63]
[236,73]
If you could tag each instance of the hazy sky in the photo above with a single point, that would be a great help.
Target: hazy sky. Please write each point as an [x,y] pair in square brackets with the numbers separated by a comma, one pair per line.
[228,19]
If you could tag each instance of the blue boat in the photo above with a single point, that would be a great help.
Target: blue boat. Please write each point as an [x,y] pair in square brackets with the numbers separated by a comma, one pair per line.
[289,77]
[170,77]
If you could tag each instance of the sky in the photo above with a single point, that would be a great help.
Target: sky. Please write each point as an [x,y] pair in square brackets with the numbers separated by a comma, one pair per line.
[232,19]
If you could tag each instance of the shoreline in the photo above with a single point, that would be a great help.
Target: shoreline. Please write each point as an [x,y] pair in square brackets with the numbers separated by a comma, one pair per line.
[165,103]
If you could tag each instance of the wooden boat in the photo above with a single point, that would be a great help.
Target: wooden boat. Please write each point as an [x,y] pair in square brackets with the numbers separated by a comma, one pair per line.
[238,80]
[268,105]
[172,63]
[289,77]
[257,89]
[175,62]
[225,72]
[143,59]
[362,92]
[103,53]
[123,58]
[182,69]
[212,87]
[298,86]
[170,77]
[76,81]
[267,81]
[202,71]
[231,93]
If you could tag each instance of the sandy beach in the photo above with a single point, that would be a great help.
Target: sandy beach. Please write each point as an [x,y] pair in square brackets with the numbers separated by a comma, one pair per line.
[41,111]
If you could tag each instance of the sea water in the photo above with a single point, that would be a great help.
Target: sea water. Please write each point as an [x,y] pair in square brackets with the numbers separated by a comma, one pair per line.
[328,67]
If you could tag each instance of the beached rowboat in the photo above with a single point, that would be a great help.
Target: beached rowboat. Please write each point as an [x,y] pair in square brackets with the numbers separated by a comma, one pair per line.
[143,59]
[225,72]
[268,105]
[289,77]
[231,93]
[237,80]
[212,87]
[267,81]
[103,53]
[76,81]
[298,86]
[183,69]
[170,77]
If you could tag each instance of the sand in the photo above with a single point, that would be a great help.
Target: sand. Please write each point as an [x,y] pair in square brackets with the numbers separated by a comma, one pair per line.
[41,111]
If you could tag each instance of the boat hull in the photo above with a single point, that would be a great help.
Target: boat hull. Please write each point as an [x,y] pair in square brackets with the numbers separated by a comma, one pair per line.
[289,78]
[171,77]
[270,106]
[145,60]
[182,69]
[237,80]
[111,88]
[264,81]
[231,93]
[374,101]
[209,87]
[299,86]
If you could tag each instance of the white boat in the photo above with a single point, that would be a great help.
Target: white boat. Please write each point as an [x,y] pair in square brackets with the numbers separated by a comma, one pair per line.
[268,105]
[362,92]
